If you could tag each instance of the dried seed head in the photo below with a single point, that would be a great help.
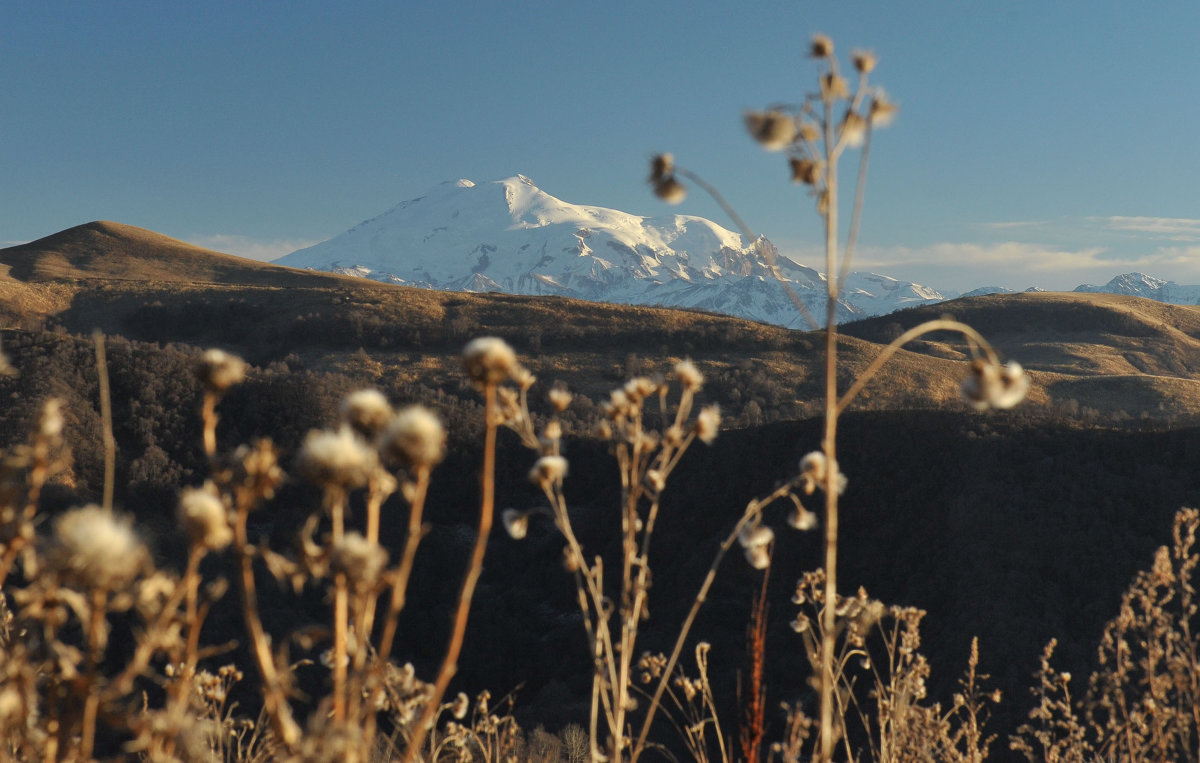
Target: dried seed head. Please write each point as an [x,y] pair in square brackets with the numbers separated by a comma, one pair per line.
[759,557]
[882,112]
[821,47]
[989,385]
[414,438]
[853,129]
[656,479]
[50,420]
[639,388]
[688,375]
[367,411]
[809,132]
[774,130]
[864,61]
[661,167]
[204,519]
[814,471]
[460,706]
[96,549]
[753,536]
[833,87]
[670,190]
[218,370]
[708,422]
[560,398]
[489,360]
[336,459]
[360,560]
[516,523]
[802,519]
[548,470]
[805,170]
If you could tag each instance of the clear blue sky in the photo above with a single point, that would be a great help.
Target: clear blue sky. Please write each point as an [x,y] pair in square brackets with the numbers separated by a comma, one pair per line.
[1039,143]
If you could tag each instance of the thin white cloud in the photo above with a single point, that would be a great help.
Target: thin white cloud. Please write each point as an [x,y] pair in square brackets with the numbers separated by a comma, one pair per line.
[1011,254]
[1015,224]
[255,249]
[1173,228]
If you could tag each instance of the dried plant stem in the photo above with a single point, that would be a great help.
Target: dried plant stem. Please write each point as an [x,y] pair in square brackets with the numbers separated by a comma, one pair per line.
[274,702]
[397,600]
[829,616]
[752,510]
[208,414]
[99,608]
[336,501]
[486,508]
[110,444]
[941,324]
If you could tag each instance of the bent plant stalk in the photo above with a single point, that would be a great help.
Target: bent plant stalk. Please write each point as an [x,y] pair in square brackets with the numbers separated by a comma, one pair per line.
[487,502]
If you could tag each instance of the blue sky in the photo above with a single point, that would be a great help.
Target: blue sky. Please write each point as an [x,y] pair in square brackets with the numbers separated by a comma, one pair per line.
[1039,143]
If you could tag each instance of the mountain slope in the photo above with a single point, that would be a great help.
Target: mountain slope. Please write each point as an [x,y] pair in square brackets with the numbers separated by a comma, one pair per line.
[511,236]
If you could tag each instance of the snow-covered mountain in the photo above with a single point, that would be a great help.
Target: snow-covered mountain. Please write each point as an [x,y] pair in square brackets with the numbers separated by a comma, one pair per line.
[510,236]
[1142,285]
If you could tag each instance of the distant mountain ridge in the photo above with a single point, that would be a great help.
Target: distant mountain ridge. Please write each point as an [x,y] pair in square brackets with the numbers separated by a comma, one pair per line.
[510,236]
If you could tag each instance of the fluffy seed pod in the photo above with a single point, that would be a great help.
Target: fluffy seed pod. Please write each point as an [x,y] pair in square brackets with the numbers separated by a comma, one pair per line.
[560,398]
[833,87]
[807,171]
[821,46]
[708,422]
[204,519]
[688,375]
[882,112]
[218,370]
[864,61]
[93,548]
[359,559]
[754,536]
[489,360]
[516,523]
[336,459]
[854,129]
[414,438]
[661,167]
[460,706]
[367,412]
[993,386]
[758,557]
[548,470]
[50,420]
[773,130]
[670,190]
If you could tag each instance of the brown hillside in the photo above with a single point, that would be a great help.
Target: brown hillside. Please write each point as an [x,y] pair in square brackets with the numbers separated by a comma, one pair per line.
[1094,354]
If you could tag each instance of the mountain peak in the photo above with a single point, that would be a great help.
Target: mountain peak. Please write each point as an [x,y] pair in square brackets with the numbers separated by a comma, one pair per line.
[509,235]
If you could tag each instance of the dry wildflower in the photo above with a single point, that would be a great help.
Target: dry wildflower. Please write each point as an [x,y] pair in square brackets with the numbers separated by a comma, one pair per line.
[414,438]
[516,523]
[854,128]
[670,190]
[336,459]
[833,87]
[460,706]
[639,388]
[50,421]
[548,470]
[773,130]
[805,170]
[96,549]
[489,360]
[814,471]
[802,519]
[204,519]
[553,431]
[708,422]
[560,398]
[218,370]
[755,536]
[990,385]
[661,167]
[759,557]
[656,479]
[821,46]
[367,412]
[688,375]
[809,132]
[864,61]
[882,111]
[360,560]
